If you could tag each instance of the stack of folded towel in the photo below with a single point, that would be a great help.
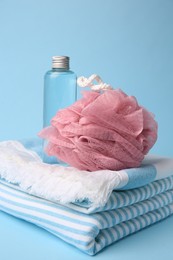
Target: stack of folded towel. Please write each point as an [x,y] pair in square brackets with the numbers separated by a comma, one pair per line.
[89,210]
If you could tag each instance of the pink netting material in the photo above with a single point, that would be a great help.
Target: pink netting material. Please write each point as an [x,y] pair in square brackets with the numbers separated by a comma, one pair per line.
[101,131]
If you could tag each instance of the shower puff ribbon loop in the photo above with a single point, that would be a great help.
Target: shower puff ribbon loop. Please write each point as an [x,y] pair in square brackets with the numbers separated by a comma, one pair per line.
[89,82]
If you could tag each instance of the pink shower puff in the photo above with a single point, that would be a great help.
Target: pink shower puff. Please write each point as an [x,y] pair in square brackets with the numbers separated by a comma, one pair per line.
[108,130]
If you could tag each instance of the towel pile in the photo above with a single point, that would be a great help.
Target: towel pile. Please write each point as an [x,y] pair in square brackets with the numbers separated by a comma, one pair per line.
[89,210]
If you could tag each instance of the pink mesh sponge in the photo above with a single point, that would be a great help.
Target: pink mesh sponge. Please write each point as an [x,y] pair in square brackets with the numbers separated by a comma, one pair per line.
[108,130]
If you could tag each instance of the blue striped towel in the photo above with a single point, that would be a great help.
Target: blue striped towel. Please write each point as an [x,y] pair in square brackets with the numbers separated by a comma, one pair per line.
[88,226]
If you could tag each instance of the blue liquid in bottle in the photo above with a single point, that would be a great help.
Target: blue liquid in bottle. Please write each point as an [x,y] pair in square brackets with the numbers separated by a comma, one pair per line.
[60,91]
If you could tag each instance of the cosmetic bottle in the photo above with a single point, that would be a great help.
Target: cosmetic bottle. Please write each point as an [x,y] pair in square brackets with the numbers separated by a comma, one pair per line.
[60,91]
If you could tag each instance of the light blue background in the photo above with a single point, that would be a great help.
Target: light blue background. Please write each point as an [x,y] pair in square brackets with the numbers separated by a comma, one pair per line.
[129,43]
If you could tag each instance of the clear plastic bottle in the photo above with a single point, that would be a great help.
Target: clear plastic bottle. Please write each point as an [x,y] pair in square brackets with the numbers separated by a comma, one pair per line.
[60,91]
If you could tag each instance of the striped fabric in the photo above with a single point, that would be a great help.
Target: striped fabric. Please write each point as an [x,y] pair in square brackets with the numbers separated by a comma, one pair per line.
[129,197]
[124,214]
[142,197]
